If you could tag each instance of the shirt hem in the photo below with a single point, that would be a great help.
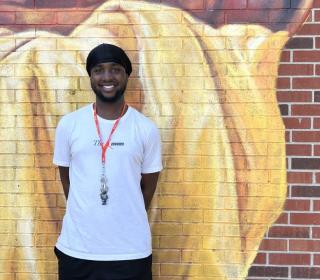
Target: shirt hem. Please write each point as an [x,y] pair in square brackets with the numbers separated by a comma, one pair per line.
[61,163]
[108,257]
[152,170]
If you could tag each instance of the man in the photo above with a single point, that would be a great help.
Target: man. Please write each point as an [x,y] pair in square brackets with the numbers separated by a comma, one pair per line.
[109,159]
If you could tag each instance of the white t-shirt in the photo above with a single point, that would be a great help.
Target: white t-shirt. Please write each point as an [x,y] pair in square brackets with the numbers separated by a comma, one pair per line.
[120,229]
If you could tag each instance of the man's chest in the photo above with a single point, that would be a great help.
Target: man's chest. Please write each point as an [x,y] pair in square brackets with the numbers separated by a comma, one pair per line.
[124,145]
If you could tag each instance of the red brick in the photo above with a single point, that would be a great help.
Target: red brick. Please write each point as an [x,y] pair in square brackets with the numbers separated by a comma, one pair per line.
[289,232]
[283,83]
[295,69]
[316,123]
[316,150]
[193,5]
[45,4]
[88,3]
[306,56]
[316,203]
[285,56]
[305,191]
[7,17]
[305,109]
[316,96]
[316,232]
[294,96]
[292,17]
[273,245]
[298,4]
[215,17]
[297,205]
[316,259]
[305,163]
[71,17]
[305,272]
[305,218]
[258,4]
[298,150]
[306,136]
[318,67]
[186,5]
[290,259]
[45,18]
[309,29]
[317,177]
[226,5]
[295,123]
[268,271]
[304,245]
[299,177]
[16,5]
[300,43]
[246,16]
[283,219]
[306,83]
[317,15]
[63,29]
[261,258]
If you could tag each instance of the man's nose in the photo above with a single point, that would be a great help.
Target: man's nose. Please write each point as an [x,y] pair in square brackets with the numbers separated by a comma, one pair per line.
[107,75]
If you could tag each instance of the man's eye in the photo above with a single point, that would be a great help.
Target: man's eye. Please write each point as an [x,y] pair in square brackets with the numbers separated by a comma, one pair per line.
[116,70]
[97,70]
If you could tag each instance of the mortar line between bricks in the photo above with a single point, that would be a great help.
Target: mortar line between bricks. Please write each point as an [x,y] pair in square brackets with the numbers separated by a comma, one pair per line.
[299,76]
[294,63]
[304,212]
[304,184]
[304,157]
[295,90]
[303,116]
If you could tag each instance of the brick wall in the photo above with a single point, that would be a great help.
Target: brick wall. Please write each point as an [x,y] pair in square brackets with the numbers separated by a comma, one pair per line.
[43,78]
[290,249]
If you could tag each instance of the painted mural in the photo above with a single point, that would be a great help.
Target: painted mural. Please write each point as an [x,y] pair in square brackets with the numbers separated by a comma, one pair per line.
[206,79]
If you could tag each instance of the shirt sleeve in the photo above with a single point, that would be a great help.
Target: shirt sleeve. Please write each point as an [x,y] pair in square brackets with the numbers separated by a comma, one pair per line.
[152,161]
[62,154]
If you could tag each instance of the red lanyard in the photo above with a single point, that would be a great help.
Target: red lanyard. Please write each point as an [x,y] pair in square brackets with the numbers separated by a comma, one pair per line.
[106,145]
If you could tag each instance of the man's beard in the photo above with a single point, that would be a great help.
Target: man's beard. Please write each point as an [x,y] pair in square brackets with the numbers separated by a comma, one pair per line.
[118,95]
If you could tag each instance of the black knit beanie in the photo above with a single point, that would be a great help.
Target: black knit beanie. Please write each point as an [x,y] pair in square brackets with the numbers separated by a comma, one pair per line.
[108,53]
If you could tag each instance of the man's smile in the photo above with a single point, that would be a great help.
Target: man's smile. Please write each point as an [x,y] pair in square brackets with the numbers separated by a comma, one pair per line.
[108,87]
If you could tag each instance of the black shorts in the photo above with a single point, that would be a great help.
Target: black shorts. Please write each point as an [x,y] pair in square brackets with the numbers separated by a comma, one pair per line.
[75,269]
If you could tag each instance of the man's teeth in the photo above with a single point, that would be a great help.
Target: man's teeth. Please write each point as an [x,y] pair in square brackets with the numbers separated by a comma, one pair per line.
[108,87]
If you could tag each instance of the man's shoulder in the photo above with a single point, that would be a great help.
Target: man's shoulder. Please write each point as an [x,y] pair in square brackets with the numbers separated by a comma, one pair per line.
[75,116]
[83,111]
[143,119]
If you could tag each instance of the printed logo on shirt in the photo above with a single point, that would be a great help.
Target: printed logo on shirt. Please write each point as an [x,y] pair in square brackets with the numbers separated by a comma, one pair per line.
[96,142]
[117,144]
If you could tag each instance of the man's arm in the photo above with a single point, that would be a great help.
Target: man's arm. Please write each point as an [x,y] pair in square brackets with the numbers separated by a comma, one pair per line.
[64,177]
[148,187]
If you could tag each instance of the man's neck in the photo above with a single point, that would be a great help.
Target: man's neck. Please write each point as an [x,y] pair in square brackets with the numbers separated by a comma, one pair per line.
[109,111]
